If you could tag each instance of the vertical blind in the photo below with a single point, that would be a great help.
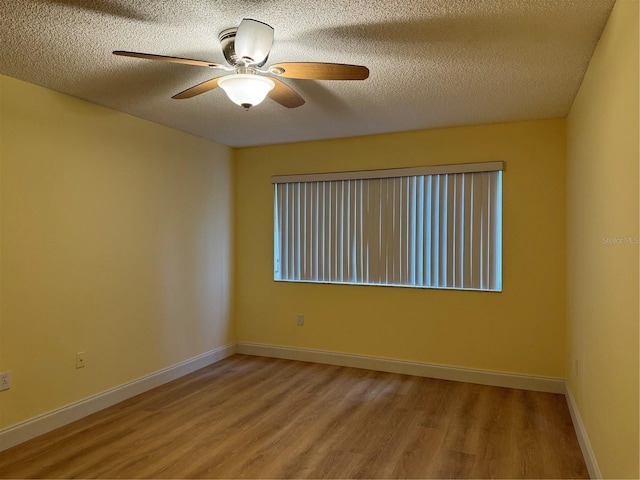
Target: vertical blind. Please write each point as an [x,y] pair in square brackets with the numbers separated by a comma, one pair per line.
[386,227]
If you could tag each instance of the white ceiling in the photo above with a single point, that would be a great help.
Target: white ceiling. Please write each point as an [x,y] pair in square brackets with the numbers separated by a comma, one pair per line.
[433,63]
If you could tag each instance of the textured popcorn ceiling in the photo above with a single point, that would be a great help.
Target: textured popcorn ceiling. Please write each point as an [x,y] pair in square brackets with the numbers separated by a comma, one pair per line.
[434,63]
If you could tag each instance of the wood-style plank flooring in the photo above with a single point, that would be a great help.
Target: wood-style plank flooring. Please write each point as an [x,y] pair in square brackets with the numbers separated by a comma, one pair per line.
[255,417]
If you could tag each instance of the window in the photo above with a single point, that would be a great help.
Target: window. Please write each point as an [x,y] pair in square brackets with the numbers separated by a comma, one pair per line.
[433,227]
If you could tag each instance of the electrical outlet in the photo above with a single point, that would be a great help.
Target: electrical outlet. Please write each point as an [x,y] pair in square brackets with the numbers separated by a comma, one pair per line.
[80,360]
[300,320]
[5,381]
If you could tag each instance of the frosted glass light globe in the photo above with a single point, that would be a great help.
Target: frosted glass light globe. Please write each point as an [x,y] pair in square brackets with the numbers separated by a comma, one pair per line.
[246,89]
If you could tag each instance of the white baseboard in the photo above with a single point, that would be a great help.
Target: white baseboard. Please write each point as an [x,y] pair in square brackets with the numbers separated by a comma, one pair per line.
[47,422]
[483,377]
[583,438]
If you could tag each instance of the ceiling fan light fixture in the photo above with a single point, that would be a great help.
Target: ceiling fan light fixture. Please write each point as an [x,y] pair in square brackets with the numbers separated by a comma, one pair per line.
[246,89]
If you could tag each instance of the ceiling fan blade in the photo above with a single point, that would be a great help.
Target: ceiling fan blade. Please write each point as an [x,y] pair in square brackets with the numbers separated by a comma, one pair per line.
[320,71]
[285,95]
[163,58]
[198,89]
[253,41]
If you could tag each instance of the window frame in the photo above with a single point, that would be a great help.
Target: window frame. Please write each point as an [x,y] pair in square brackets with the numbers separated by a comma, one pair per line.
[412,172]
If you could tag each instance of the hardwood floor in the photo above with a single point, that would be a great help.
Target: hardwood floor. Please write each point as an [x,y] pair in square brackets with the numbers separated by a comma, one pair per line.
[255,417]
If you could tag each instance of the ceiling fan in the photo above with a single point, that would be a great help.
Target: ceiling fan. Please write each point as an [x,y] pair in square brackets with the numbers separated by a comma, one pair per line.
[246,49]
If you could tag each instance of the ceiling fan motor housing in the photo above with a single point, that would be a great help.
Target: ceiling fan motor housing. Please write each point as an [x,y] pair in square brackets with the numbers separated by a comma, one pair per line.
[227,42]
[253,41]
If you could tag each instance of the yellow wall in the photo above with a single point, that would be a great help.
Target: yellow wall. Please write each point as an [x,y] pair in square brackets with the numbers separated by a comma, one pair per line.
[602,278]
[116,240]
[520,330]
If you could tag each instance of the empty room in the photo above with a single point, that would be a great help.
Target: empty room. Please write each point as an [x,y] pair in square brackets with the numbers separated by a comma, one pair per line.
[334,239]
